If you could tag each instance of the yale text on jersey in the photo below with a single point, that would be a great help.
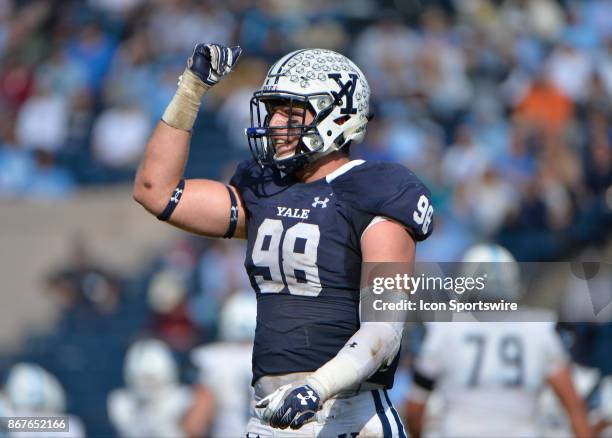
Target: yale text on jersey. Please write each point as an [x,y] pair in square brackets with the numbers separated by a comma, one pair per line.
[296,213]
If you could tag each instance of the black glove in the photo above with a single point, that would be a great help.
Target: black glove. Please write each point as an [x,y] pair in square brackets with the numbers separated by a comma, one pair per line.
[210,62]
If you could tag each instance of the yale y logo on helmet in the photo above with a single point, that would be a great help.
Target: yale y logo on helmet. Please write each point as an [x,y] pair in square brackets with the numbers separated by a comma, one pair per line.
[322,81]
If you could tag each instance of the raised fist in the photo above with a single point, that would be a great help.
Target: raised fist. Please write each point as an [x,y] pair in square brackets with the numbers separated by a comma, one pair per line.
[210,62]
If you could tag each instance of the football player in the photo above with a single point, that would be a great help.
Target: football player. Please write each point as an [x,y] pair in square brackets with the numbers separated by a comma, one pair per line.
[153,403]
[225,366]
[32,391]
[311,216]
[489,375]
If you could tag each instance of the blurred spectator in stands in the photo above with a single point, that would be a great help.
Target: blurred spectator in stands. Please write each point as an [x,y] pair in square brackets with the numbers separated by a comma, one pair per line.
[411,137]
[49,181]
[316,23]
[391,72]
[580,29]
[16,80]
[93,50]
[442,70]
[224,368]
[465,160]
[598,153]
[6,14]
[544,108]
[61,75]
[263,31]
[120,136]
[118,8]
[545,205]
[544,20]
[80,121]
[29,173]
[556,198]
[518,164]
[604,65]
[153,403]
[135,76]
[177,26]
[83,285]
[569,71]
[16,163]
[167,297]
[490,201]
[42,121]
[490,128]
[33,392]
[18,23]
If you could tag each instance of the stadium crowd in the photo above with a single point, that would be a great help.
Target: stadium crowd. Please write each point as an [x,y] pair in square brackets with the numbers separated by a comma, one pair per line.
[502,107]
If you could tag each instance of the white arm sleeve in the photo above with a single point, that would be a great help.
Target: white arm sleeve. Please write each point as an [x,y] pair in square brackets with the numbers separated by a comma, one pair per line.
[373,345]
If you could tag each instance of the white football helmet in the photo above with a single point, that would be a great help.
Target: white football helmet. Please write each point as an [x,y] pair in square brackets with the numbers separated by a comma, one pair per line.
[500,267]
[238,318]
[32,389]
[149,367]
[327,83]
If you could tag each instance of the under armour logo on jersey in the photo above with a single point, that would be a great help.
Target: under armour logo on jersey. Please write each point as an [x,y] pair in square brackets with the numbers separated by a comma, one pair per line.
[176,197]
[317,201]
[353,345]
[304,399]
[347,89]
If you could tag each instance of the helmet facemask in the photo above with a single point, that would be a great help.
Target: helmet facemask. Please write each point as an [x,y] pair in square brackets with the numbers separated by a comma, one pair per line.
[261,135]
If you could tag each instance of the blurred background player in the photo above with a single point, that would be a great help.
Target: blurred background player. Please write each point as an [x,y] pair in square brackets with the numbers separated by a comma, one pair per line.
[34,392]
[153,403]
[224,367]
[489,375]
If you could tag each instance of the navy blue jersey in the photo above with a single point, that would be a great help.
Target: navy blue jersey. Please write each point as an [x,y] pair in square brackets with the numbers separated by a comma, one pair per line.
[304,255]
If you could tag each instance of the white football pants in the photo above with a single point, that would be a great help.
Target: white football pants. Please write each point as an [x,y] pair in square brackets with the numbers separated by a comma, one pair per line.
[367,414]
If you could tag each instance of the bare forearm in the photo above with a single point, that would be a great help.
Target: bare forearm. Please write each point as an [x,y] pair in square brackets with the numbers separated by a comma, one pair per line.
[162,166]
[580,425]
[562,385]
[414,415]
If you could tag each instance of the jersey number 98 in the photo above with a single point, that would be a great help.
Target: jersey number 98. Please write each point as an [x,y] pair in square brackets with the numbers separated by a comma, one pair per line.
[290,255]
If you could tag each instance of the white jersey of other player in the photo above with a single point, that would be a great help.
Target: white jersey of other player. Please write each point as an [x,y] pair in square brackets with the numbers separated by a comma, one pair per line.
[159,416]
[490,374]
[225,370]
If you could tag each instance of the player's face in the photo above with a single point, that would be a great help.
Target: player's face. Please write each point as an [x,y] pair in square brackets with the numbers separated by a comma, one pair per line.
[284,117]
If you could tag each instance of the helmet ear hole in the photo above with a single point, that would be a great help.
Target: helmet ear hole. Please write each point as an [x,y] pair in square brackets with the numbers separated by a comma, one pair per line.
[342,120]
